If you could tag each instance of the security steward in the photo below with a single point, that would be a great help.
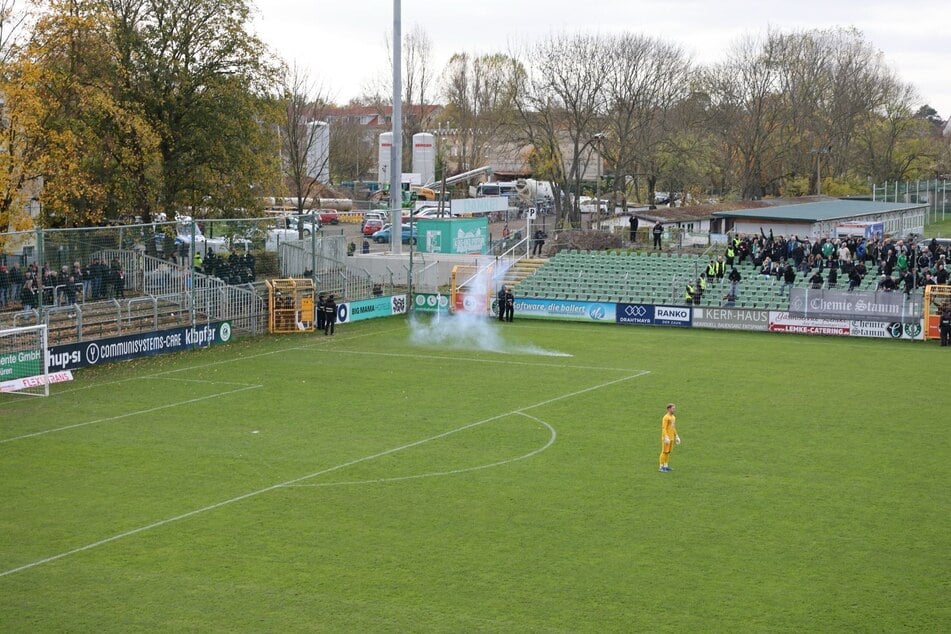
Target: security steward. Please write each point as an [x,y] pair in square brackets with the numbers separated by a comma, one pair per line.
[945,325]
[321,300]
[330,315]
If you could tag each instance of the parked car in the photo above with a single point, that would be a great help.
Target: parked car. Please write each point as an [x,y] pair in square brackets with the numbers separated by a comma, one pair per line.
[328,216]
[311,223]
[430,213]
[371,226]
[407,234]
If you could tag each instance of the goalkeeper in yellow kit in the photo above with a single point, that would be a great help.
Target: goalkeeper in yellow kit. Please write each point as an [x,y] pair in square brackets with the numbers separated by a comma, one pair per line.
[668,436]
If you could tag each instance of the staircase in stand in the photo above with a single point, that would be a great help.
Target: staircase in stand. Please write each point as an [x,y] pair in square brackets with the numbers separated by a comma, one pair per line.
[521,270]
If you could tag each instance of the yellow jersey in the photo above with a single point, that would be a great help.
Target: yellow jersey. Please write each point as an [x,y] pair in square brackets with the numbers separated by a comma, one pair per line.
[668,427]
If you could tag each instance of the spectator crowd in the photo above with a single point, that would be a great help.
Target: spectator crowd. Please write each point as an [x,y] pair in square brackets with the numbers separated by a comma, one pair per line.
[828,263]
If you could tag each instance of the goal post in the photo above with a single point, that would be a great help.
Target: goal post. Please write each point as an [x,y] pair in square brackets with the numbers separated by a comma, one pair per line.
[24,367]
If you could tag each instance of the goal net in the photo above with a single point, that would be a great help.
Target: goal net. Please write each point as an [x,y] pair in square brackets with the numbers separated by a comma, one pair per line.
[23,361]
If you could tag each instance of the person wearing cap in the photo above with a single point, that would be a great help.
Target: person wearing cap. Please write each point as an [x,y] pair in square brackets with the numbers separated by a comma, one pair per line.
[330,315]
[668,437]
[321,299]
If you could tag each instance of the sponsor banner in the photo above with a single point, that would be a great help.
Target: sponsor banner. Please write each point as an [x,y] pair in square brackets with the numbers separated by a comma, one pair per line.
[649,315]
[783,322]
[475,303]
[731,318]
[431,303]
[887,307]
[453,236]
[371,308]
[88,353]
[886,330]
[672,316]
[20,364]
[35,381]
[565,310]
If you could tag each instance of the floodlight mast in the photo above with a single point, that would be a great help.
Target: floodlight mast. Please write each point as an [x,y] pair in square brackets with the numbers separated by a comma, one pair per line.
[396,149]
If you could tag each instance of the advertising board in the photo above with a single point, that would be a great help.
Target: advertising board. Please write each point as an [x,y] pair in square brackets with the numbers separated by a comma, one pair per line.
[731,319]
[89,353]
[371,308]
[567,310]
[649,315]
[431,303]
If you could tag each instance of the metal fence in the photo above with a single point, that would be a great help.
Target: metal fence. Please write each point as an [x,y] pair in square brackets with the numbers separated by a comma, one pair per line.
[936,194]
[98,281]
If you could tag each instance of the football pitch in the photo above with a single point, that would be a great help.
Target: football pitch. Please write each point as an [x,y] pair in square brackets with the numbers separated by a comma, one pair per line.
[407,476]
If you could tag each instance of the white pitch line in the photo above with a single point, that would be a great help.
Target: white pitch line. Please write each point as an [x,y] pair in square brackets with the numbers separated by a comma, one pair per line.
[433,474]
[128,414]
[344,465]
[61,393]
[438,357]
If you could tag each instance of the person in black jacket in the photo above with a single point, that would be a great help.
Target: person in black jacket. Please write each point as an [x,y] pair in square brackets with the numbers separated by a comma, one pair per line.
[330,315]
[509,305]
[945,325]
[321,301]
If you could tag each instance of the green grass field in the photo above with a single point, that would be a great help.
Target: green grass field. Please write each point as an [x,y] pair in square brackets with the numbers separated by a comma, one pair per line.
[363,483]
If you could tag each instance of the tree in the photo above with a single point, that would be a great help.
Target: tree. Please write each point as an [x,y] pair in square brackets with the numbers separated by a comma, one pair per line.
[480,95]
[644,83]
[561,103]
[207,86]
[304,138]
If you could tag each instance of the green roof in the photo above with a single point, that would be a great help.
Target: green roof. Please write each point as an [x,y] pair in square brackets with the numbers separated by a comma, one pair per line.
[819,211]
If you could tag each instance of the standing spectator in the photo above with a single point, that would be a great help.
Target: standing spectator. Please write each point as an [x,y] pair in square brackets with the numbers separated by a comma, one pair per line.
[833,278]
[538,242]
[816,280]
[4,286]
[734,279]
[658,233]
[789,279]
[97,271]
[500,302]
[30,293]
[16,283]
[120,283]
[632,222]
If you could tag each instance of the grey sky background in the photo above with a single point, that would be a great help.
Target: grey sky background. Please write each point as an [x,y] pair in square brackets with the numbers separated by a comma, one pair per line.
[341,43]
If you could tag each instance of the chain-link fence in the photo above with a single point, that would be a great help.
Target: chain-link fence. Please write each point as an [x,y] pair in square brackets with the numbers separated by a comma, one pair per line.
[97,281]
[936,194]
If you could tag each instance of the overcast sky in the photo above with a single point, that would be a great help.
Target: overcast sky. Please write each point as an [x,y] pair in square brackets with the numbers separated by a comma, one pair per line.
[341,42]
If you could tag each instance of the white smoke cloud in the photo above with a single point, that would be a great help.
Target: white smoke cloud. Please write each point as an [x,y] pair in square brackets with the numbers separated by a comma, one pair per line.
[471,330]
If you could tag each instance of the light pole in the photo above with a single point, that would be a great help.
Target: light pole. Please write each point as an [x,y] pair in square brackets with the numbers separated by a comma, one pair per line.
[819,152]
[599,139]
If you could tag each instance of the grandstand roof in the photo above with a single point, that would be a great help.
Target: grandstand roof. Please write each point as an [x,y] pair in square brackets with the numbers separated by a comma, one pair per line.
[831,209]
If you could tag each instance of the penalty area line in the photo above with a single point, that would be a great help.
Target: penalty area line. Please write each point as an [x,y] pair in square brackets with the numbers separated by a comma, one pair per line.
[344,465]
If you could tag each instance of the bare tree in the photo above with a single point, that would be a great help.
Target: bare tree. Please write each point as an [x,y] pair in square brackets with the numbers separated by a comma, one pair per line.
[479,94]
[561,108]
[305,139]
[748,110]
[645,82]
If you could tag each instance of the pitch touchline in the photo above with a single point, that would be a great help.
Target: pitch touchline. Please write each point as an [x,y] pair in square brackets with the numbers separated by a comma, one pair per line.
[551,440]
[344,465]
[128,414]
